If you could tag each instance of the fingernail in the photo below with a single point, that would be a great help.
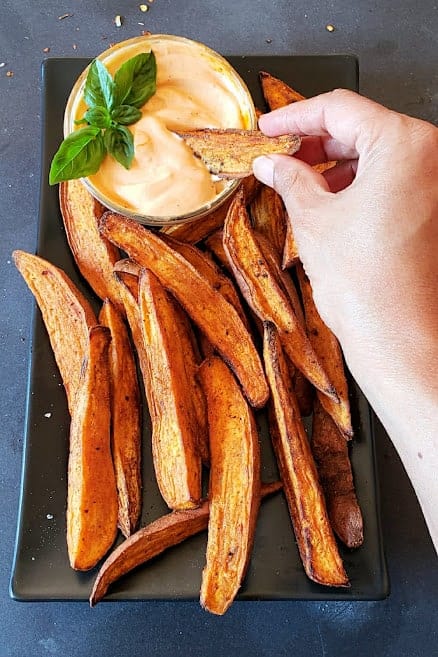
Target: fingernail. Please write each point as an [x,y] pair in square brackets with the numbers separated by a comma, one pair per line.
[263,168]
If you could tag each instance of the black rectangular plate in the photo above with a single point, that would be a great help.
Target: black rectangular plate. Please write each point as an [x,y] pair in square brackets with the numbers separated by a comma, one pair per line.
[41,570]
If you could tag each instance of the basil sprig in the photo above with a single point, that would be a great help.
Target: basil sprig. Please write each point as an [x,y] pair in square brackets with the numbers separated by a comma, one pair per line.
[113,104]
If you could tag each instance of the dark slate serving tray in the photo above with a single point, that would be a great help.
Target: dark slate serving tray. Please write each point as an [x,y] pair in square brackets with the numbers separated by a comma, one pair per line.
[41,570]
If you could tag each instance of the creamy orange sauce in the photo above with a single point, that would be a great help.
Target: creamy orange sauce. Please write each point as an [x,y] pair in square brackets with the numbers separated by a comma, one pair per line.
[165,178]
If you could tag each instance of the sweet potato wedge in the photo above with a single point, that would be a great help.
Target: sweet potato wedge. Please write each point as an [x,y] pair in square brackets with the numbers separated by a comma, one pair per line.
[313,533]
[229,153]
[92,494]
[125,419]
[210,271]
[269,217]
[215,245]
[94,255]
[175,451]
[152,540]
[66,313]
[262,292]
[215,316]
[303,389]
[329,352]
[234,491]
[334,468]
[276,92]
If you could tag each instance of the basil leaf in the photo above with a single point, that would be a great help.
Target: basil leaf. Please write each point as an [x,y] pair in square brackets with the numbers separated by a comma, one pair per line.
[79,155]
[125,114]
[98,116]
[120,144]
[136,80]
[99,86]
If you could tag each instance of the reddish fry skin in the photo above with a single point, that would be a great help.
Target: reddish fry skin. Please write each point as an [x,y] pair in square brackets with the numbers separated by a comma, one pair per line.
[334,468]
[126,419]
[150,541]
[314,535]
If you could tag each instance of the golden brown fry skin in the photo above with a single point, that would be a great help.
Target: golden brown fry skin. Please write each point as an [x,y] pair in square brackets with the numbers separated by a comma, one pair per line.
[94,255]
[207,268]
[125,419]
[261,290]
[276,92]
[150,541]
[229,153]
[66,313]
[269,217]
[175,429]
[329,352]
[92,494]
[334,468]
[234,490]
[208,309]
[316,543]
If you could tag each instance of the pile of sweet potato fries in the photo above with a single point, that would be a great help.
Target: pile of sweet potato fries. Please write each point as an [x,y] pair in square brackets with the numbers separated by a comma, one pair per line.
[211,313]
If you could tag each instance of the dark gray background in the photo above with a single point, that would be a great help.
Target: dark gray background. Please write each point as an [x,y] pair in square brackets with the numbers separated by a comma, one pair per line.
[396,43]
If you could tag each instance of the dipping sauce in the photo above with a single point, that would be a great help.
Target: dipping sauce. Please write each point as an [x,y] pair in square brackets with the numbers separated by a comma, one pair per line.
[196,88]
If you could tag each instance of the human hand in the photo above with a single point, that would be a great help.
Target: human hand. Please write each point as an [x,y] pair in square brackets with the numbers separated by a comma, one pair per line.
[367,230]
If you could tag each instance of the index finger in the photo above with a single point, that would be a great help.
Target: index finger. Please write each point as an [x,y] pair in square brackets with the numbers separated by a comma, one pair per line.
[342,115]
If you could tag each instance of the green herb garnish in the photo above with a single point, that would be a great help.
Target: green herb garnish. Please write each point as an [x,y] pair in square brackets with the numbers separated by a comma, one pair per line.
[113,104]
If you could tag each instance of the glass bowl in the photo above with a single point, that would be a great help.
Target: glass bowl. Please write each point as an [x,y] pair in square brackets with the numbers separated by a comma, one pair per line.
[76,107]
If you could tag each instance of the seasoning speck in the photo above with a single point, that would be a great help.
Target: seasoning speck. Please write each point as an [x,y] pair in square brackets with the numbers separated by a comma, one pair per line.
[143,7]
[330,28]
[2,64]
[61,18]
[74,46]
[118,20]
[9,74]
[33,558]
[49,516]
[47,415]
[46,49]
[145,33]
[268,40]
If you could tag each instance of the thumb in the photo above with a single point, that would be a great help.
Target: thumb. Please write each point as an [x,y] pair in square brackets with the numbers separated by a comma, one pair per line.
[297,183]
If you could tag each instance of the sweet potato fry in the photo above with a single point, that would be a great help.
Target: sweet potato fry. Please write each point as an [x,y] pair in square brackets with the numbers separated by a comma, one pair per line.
[214,243]
[303,389]
[66,313]
[276,92]
[316,543]
[175,449]
[125,419]
[262,292]
[334,468]
[150,541]
[129,272]
[229,153]
[269,217]
[234,491]
[208,309]
[210,271]
[92,494]
[94,255]
[329,352]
